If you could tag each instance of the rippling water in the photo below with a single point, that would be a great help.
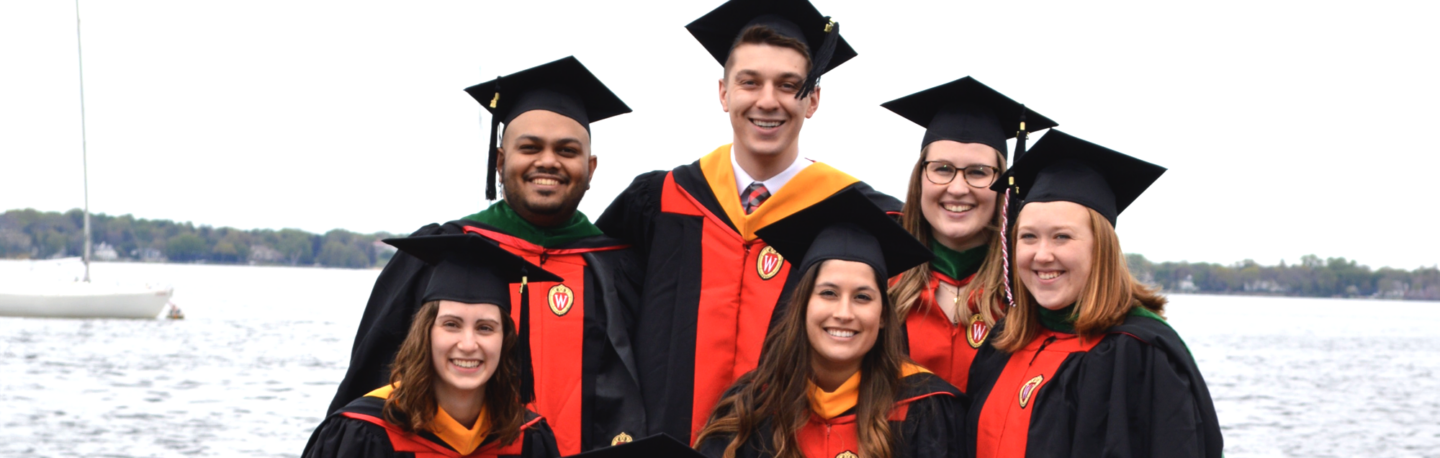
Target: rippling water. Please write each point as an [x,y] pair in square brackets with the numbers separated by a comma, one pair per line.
[253,367]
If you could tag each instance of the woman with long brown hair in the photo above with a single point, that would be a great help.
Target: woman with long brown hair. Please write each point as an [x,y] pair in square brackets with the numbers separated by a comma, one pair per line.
[1085,364]
[460,382]
[832,379]
[950,303]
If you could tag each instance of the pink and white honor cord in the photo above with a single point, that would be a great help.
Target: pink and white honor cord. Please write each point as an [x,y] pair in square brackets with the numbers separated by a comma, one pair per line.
[1005,246]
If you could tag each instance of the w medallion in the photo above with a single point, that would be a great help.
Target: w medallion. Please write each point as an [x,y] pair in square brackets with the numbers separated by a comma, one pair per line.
[768,263]
[1027,390]
[561,298]
[975,336]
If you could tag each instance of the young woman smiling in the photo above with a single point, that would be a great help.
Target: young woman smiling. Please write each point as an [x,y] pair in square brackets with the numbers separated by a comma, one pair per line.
[950,303]
[832,379]
[460,381]
[1085,364]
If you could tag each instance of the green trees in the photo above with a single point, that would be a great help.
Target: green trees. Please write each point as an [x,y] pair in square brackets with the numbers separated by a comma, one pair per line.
[1312,277]
[26,234]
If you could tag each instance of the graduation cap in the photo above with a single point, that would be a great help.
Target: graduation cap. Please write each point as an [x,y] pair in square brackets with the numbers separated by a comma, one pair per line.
[846,226]
[719,29]
[1063,168]
[564,87]
[659,445]
[967,111]
[473,269]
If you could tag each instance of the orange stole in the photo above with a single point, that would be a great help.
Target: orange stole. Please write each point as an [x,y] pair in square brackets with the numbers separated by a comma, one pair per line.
[937,343]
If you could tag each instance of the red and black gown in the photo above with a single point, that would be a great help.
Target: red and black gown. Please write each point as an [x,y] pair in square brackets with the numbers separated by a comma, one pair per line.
[944,347]
[1135,392]
[927,413]
[711,287]
[359,430]
[586,379]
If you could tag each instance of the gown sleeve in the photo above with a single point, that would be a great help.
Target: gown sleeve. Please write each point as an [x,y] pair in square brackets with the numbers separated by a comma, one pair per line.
[386,321]
[932,428]
[540,442]
[1140,398]
[341,437]
[628,217]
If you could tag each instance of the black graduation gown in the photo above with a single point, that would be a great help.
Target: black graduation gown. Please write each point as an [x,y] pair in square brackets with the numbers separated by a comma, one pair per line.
[1136,392]
[359,431]
[696,239]
[598,359]
[928,412]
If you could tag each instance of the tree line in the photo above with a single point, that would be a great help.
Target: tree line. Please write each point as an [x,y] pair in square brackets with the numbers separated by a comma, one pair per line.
[1312,277]
[31,234]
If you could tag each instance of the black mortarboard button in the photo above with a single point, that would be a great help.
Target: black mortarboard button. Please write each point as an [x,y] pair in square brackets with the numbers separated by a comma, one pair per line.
[564,87]
[473,269]
[1063,168]
[967,111]
[659,445]
[718,31]
[850,227]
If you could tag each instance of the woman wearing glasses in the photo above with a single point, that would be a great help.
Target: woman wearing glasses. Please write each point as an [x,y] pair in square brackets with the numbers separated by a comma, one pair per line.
[950,303]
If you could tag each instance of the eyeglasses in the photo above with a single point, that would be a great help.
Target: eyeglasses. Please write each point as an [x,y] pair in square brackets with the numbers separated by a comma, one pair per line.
[977,176]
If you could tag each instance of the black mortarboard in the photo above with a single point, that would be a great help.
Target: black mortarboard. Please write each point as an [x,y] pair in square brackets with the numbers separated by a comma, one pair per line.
[564,86]
[967,111]
[846,226]
[659,445]
[473,269]
[718,31]
[1063,168]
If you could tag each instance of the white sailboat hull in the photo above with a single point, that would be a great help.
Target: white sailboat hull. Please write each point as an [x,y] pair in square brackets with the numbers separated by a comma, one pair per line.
[84,300]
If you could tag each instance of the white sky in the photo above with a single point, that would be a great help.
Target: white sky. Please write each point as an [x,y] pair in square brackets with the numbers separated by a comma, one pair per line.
[1289,128]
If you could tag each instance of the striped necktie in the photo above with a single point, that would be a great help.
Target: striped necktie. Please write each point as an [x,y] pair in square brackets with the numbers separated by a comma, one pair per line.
[754,195]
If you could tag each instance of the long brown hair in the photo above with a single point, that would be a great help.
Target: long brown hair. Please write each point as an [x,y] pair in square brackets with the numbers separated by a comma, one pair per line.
[412,405]
[1109,294]
[776,391]
[989,280]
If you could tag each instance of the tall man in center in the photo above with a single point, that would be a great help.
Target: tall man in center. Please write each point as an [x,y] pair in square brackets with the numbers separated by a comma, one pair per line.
[712,288]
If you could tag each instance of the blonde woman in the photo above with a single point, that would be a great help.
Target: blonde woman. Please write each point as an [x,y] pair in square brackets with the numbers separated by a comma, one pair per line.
[1085,364]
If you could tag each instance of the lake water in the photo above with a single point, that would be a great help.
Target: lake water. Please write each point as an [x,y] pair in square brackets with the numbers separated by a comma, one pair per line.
[252,368]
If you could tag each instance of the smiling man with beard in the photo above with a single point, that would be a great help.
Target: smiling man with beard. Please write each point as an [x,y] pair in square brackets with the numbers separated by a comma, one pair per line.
[585,379]
[712,288]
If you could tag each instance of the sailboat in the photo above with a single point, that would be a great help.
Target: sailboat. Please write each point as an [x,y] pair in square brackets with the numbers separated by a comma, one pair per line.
[83,299]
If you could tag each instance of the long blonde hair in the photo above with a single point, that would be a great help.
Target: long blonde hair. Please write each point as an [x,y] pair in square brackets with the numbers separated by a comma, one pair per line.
[989,280]
[1108,295]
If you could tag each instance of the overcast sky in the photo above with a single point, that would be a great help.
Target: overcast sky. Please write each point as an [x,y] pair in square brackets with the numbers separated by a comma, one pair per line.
[1289,128]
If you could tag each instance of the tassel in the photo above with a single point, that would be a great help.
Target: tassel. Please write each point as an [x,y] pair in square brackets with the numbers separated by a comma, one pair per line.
[1005,247]
[494,151]
[522,350]
[821,58]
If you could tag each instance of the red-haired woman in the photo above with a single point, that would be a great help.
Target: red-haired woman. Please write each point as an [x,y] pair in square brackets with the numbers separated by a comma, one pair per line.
[950,303]
[1085,364]
[832,379]
[460,381]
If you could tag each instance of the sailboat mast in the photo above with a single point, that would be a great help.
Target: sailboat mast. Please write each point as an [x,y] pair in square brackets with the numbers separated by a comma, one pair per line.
[84,154]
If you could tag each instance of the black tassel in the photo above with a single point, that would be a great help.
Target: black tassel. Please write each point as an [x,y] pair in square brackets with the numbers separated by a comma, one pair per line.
[522,350]
[821,58]
[494,150]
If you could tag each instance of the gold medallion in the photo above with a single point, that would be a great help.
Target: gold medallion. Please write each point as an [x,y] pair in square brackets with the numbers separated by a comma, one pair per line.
[1027,390]
[621,438]
[847,454]
[561,298]
[975,336]
[768,263]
